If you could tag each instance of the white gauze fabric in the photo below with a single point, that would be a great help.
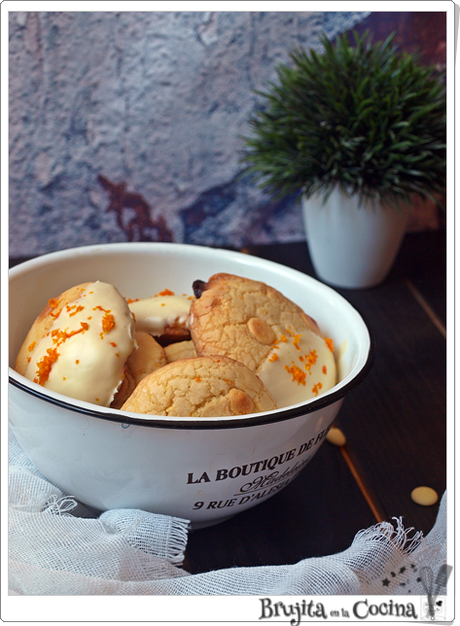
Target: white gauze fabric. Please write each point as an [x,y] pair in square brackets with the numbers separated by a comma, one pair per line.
[59,547]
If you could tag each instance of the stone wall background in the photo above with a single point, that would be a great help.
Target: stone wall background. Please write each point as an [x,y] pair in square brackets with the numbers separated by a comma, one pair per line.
[156,103]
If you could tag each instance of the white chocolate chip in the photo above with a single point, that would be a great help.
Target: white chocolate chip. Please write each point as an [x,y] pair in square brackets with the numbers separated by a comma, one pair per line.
[425,496]
[261,331]
[336,437]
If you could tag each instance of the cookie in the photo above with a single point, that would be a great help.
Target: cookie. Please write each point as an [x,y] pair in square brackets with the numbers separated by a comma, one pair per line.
[180,350]
[242,318]
[257,325]
[213,386]
[164,315]
[43,324]
[148,357]
[79,343]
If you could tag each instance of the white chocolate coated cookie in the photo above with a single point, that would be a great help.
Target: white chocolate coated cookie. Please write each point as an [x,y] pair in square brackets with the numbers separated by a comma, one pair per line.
[165,316]
[43,324]
[86,342]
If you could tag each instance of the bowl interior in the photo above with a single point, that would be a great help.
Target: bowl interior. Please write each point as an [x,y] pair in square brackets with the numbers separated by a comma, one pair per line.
[140,270]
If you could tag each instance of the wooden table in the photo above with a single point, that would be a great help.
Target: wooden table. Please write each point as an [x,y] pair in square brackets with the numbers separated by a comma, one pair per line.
[395,424]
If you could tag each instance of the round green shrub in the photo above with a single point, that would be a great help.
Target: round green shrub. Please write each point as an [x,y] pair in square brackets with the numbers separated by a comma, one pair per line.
[366,117]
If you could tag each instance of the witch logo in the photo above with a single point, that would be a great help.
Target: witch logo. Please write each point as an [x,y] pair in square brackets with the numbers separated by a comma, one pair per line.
[433,607]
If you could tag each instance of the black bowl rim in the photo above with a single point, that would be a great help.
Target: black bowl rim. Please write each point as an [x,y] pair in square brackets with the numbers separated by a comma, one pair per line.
[257,419]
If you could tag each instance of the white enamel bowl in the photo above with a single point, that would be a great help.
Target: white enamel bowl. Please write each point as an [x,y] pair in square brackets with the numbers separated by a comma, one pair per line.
[203,470]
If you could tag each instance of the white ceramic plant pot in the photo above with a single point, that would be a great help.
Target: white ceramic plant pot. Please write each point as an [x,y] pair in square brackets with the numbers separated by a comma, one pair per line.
[352,246]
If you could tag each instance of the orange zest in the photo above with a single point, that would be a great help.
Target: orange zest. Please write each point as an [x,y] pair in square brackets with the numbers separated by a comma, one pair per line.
[296,341]
[53,302]
[310,359]
[59,335]
[329,343]
[108,322]
[296,338]
[44,366]
[297,374]
[73,310]
[316,388]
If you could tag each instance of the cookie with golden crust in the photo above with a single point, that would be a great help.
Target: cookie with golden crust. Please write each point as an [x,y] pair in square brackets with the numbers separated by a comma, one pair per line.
[257,325]
[213,386]
[180,350]
[43,323]
[242,318]
[148,357]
